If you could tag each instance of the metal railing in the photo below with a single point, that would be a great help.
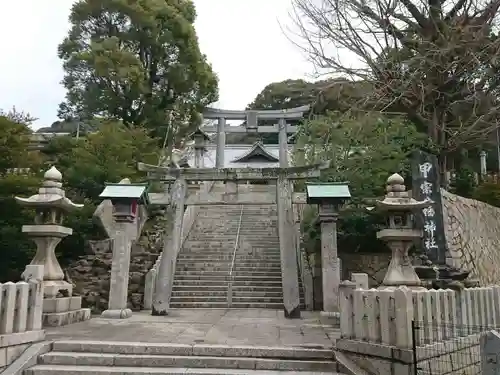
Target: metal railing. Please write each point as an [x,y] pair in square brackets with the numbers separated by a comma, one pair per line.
[231,277]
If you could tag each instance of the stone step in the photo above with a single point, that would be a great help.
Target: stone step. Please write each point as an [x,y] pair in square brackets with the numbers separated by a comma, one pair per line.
[223,305]
[201,276]
[257,294]
[198,299]
[251,266]
[203,267]
[117,347]
[218,283]
[221,257]
[104,370]
[236,273]
[201,289]
[257,299]
[180,361]
[236,283]
[257,289]
[199,293]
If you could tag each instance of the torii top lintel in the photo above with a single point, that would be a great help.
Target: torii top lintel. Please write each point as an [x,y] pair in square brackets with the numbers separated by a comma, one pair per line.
[232,174]
[272,114]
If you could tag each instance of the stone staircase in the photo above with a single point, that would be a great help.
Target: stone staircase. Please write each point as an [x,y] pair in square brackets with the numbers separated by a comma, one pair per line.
[102,358]
[202,276]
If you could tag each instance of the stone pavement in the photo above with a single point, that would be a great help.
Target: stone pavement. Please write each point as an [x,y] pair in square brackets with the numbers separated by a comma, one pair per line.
[251,327]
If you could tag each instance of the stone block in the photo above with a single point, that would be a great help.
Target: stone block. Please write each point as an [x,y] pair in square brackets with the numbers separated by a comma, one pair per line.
[21,338]
[14,352]
[3,357]
[75,303]
[63,304]
[64,318]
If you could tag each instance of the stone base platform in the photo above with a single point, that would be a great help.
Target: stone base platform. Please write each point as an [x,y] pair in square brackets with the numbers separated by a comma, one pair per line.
[57,319]
[208,326]
[63,311]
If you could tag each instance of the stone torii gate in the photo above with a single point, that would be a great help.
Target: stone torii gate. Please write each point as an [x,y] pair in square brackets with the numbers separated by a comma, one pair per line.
[252,118]
[177,201]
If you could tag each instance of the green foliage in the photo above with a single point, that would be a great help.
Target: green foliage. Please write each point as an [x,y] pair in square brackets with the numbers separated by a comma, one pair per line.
[136,61]
[464,182]
[364,151]
[488,192]
[87,164]
[15,248]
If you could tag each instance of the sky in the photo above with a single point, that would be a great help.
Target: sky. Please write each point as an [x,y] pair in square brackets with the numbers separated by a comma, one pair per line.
[244,40]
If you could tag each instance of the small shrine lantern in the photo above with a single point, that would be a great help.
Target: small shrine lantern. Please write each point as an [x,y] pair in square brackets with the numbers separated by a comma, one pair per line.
[329,196]
[400,233]
[200,147]
[126,199]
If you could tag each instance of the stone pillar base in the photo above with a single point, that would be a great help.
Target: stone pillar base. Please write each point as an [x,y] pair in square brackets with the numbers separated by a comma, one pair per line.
[63,311]
[65,318]
[117,314]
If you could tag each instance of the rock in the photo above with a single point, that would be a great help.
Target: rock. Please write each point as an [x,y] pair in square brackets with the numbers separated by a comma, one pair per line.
[91,273]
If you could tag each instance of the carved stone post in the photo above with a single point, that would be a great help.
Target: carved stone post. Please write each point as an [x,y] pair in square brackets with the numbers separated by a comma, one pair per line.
[283,143]
[329,197]
[200,139]
[166,269]
[330,269]
[482,157]
[221,142]
[123,230]
[289,268]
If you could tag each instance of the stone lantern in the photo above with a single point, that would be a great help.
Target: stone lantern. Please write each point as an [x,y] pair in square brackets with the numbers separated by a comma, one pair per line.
[400,233]
[200,141]
[329,197]
[128,214]
[50,205]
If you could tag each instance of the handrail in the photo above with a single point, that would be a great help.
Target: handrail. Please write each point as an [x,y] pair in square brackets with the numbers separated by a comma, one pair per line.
[231,278]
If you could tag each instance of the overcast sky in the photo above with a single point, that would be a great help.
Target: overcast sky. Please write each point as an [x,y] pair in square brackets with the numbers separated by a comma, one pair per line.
[243,40]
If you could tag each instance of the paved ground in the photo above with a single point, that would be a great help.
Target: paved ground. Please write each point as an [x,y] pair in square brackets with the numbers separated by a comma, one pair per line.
[207,326]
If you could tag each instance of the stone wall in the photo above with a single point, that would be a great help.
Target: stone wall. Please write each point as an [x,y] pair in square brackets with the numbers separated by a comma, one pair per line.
[90,274]
[374,265]
[473,235]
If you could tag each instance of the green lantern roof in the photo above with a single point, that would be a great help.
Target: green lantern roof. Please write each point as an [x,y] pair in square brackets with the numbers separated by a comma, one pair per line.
[124,191]
[327,191]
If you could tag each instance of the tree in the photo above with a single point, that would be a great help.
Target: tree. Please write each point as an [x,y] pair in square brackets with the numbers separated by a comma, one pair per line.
[435,61]
[336,94]
[136,61]
[87,165]
[364,151]
[19,175]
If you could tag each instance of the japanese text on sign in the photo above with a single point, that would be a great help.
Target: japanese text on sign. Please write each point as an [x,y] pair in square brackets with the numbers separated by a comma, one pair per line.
[429,212]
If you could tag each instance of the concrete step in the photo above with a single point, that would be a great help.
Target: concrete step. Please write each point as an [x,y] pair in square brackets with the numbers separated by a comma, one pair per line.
[198,299]
[204,267]
[221,257]
[201,289]
[261,266]
[201,276]
[180,361]
[199,293]
[223,305]
[257,299]
[257,289]
[103,370]
[117,347]
[207,283]
[257,294]
[236,273]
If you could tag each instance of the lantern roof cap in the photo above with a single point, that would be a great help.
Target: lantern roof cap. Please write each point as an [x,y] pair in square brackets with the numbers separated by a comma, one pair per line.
[51,194]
